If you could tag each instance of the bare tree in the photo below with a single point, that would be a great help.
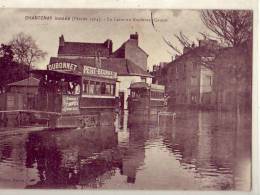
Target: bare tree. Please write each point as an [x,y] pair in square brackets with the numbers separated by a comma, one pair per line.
[26,50]
[231,26]
[183,39]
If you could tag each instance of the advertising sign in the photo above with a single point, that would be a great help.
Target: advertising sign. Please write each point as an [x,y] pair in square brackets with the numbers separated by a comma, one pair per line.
[70,104]
[92,71]
[67,66]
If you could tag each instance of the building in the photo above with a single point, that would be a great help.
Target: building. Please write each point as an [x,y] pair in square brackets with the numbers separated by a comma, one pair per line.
[159,73]
[190,76]
[129,61]
[131,50]
[20,95]
[74,50]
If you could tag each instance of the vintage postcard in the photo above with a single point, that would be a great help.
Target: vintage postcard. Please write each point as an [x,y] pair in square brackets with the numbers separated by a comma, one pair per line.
[126,99]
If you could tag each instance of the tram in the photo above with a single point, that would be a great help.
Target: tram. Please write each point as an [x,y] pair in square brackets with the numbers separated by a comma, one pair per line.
[146,97]
[70,96]
[84,98]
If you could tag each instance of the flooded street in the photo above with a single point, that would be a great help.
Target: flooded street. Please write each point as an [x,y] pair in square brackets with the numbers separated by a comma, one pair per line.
[199,150]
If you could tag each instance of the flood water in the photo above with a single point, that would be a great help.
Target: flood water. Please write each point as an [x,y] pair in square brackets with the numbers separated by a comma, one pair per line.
[197,151]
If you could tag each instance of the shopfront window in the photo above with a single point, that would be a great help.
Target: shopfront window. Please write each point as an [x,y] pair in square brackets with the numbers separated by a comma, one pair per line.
[92,88]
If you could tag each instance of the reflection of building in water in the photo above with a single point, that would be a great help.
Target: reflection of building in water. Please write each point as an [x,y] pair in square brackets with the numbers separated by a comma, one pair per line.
[12,160]
[133,152]
[233,151]
[75,158]
[182,138]
[205,145]
[121,121]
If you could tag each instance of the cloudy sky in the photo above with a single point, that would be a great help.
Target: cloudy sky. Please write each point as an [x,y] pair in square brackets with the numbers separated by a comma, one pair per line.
[46,32]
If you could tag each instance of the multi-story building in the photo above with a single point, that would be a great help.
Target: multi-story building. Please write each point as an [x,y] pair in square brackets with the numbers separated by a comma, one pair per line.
[190,76]
[129,61]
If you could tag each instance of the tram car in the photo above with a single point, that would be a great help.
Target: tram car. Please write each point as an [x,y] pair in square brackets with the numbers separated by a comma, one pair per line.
[69,96]
[146,101]
[83,99]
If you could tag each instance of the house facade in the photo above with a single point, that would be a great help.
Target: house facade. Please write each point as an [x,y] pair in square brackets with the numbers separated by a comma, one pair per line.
[190,76]
[131,50]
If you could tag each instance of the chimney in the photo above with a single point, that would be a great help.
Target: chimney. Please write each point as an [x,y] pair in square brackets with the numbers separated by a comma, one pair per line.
[109,44]
[134,37]
[61,40]
[209,43]
[186,49]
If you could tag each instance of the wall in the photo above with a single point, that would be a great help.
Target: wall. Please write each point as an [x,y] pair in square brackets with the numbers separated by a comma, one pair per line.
[24,90]
[136,54]
[183,78]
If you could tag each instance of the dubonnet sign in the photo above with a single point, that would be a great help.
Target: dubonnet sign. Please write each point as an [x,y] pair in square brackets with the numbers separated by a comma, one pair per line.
[92,71]
[62,66]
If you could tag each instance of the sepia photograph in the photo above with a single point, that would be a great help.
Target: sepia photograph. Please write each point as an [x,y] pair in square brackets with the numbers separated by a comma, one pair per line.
[126,99]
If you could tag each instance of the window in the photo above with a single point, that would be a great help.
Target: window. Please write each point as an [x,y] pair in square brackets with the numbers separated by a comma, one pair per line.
[176,71]
[91,87]
[85,86]
[103,88]
[112,92]
[107,89]
[194,67]
[193,81]
[98,88]
[184,71]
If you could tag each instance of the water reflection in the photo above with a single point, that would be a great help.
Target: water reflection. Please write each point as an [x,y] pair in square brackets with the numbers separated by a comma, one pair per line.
[71,159]
[207,144]
[197,150]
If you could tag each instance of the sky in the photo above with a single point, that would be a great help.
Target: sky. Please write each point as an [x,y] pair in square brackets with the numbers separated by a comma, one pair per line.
[111,24]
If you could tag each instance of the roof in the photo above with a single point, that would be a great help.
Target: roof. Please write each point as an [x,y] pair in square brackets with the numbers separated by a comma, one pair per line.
[30,82]
[123,67]
[196,52]
[120,52]
[83,49]
[139,85]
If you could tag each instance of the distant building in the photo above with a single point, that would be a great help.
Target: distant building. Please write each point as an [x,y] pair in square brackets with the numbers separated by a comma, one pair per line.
[73,50]
[20,95]
[190,76]
[131,50]
[159,73]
